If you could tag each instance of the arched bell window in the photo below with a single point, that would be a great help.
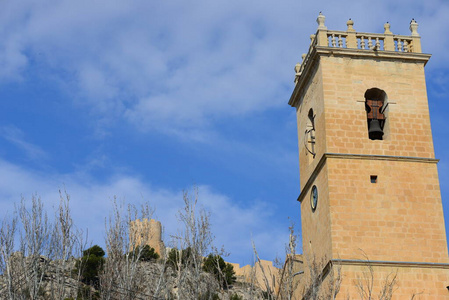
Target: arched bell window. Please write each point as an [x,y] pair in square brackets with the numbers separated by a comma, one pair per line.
[375,106]
[309,139]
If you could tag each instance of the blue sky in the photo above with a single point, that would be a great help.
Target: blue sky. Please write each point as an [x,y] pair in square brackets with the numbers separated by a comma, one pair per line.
[144,99]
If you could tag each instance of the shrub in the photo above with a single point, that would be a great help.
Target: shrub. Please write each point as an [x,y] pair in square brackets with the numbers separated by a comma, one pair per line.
[174,257]
[91,264]
[94,250]
[223,271]
[147,253]
[235,297]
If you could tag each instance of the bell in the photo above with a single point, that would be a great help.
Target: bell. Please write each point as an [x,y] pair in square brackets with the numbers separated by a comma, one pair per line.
[374,131]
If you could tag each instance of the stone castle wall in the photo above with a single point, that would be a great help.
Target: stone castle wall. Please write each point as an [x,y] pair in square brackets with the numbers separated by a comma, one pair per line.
[147,232]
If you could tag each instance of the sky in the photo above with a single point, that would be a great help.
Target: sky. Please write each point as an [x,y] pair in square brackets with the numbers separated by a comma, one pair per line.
[142,100]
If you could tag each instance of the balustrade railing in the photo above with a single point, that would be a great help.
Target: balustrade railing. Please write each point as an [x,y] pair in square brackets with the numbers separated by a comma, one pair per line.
[351,39]
[305,58]
[403,43]
[369,41]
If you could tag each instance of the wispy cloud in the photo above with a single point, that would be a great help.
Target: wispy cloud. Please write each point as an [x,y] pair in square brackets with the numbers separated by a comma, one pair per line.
[233,225]
[16,136]
[169,66]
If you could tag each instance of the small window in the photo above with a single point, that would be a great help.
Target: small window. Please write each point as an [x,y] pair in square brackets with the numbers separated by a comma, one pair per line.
[373,178]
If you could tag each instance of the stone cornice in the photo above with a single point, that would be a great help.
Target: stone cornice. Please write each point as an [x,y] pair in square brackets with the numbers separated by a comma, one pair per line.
[384,263]
[303,78]
[325,156]
[381,157]
[355,53]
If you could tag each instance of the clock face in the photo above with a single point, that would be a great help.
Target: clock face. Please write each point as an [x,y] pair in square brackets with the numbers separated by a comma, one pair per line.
[314,197]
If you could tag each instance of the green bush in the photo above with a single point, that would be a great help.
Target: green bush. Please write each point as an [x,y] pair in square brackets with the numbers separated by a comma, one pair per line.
[147,253]
[223,271]
[91,264]
[236,297]
[175,255]
[94,250]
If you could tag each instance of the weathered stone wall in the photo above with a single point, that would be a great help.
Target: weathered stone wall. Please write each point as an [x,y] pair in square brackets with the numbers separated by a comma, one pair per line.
[399,218]
[345,81]
[424,283]
[147,232]
[261,274]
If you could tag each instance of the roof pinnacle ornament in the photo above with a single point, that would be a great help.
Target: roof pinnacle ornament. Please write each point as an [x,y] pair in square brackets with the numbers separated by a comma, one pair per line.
[320,20]
[414,27]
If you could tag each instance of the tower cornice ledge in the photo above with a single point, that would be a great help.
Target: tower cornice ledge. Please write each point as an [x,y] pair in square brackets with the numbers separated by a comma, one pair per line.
[326,156]
[385,263]
[423,57]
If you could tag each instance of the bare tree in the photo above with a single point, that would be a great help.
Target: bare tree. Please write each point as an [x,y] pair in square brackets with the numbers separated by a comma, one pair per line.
[335,281]
[195,239]
[314,280]
[45,267]
[267,276]
[33,272]
[122,276]
[323,280]
[68,241]
[287,281]
[36,237]
[7,235]
[365,283]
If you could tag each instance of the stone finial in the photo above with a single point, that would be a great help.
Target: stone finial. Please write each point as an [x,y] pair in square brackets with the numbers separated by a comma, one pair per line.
[320,20]
[303,56]
[387,28]
[350,24]
[389,40]
[414,27]
[312,38]
[297,71]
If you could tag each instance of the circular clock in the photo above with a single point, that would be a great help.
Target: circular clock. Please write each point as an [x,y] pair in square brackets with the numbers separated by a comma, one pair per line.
[314,197]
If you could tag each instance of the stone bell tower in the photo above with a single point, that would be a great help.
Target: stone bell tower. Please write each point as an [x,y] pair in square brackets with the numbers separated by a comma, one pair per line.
[370,196]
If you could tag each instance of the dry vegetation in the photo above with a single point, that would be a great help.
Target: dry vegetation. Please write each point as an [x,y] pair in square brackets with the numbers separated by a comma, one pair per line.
[42,259]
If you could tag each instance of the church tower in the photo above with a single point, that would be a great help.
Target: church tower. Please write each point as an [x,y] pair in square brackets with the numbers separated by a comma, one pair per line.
[370,196]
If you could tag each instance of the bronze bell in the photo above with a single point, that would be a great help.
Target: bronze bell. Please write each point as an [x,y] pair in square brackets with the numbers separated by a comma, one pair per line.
[375,131]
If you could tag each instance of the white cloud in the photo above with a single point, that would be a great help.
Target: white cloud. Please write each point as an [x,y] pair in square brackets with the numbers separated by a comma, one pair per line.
[172,65]
[233,225]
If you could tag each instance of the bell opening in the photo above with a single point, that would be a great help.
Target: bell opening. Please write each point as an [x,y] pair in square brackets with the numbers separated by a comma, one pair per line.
[375,106]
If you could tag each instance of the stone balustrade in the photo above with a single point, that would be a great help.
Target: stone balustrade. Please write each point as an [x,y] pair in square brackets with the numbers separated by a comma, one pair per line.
[369,41]
[350,39]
